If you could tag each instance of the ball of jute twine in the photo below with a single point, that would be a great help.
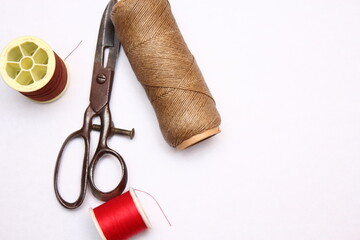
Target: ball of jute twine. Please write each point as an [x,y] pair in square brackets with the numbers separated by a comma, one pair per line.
[167,70]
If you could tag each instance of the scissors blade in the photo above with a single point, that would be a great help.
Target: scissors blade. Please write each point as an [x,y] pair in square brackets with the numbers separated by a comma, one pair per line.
[103,73]
[107,39]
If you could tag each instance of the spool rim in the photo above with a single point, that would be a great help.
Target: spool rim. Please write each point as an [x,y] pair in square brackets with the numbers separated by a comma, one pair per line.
[198,138]
[140,208]
[97,225]
[27,47]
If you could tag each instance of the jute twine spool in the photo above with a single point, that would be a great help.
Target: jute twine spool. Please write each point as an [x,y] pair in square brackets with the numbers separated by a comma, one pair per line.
[167,70]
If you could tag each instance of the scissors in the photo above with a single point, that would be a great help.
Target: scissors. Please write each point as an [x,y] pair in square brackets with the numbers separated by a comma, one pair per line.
[101,86]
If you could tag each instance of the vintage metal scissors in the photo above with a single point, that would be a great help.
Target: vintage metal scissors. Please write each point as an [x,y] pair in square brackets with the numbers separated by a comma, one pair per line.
[99,106]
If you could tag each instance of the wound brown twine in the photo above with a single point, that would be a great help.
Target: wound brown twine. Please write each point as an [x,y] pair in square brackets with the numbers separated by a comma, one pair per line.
[167,70]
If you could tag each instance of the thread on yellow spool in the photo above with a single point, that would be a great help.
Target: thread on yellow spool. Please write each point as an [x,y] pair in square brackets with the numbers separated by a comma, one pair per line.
[167,70]
[31,67]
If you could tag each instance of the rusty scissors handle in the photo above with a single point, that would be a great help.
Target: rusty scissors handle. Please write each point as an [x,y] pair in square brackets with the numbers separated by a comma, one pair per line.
[101,87]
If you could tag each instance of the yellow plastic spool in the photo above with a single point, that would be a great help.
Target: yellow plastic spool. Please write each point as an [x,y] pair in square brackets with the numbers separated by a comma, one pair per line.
[27,64]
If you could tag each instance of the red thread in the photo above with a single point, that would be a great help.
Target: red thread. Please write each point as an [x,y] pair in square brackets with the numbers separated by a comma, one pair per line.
[73,50]
[119,218]
[157,204]
[54,87]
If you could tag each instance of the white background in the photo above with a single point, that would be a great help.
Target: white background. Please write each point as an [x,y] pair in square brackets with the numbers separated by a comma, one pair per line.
[286,79]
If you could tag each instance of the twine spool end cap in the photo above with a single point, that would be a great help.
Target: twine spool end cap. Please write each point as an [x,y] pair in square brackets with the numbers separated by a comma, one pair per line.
[198,138]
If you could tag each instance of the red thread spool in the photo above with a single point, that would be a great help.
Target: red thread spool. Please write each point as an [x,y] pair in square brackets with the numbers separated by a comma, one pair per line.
[31,67]
[121,217]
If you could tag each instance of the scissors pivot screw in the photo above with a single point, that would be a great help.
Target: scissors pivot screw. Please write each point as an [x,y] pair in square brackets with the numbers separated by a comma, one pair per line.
[101,78]
[118,131]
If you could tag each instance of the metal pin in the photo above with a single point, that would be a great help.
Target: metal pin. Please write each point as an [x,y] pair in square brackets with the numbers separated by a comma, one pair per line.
[101,78]
[118,131]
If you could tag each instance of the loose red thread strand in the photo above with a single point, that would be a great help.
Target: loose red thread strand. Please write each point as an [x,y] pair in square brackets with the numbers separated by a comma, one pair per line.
[137,190]
[73,50]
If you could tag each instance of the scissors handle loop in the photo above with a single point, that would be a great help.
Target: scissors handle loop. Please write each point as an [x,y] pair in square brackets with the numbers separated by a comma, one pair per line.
[84,175]
[105,196]
[88,167]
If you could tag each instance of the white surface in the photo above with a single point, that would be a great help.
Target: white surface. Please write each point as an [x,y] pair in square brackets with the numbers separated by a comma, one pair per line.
[286,78]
